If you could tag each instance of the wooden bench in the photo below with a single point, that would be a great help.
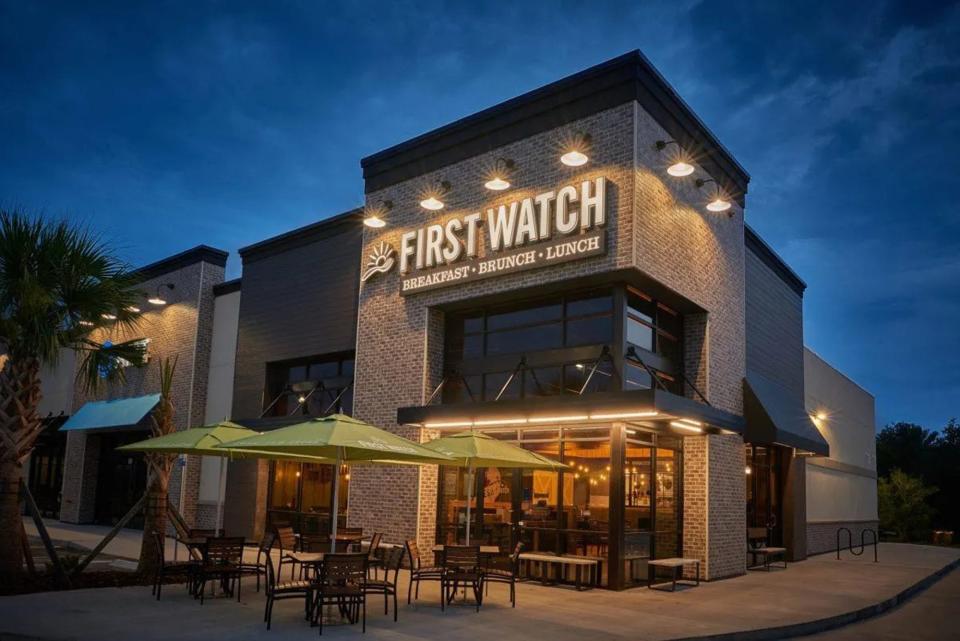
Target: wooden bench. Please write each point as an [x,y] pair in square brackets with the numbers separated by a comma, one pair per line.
[675,565]
[557,561]
[757,538]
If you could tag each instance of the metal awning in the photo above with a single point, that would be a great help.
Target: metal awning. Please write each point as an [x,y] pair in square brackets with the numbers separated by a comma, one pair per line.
[111,415]
[775,416]
[622,405]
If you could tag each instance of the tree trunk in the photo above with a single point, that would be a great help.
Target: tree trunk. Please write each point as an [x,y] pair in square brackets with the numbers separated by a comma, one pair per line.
[11,523]
[19,426]
[154,512]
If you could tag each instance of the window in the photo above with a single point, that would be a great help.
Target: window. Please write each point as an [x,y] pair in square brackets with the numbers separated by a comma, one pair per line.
[558,323]
[324,384]
[655,332]
[560,337]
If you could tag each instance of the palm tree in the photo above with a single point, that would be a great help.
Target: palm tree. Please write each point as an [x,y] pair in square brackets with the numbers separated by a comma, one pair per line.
[155,511]
[59,285]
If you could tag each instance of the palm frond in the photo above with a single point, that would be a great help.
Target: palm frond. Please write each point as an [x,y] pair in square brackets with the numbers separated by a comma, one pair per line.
[100,363]
[58,283]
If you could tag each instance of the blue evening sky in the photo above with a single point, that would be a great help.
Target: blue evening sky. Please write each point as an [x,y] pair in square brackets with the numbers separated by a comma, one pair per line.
[171,124]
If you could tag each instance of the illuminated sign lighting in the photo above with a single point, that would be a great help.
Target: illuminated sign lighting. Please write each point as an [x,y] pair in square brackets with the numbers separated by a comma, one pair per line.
[602,417]
[684,426]
[559,419]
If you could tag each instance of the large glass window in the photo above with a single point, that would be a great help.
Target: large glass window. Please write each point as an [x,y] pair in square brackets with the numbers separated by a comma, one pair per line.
[300,494]
[556,323]
[655,331]
[569,512]
[483,347]
[310,387]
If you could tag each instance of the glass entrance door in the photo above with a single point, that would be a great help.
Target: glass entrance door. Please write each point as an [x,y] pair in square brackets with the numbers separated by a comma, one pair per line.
[765,489]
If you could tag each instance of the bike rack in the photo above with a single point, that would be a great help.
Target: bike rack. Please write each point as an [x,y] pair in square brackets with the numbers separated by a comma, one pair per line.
[863,542]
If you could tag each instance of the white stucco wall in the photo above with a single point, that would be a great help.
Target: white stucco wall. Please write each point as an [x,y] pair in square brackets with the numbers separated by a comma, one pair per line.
[842,487]
[223,352]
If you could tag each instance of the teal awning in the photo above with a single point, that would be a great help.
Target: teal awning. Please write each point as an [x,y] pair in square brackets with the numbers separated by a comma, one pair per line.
[115,414]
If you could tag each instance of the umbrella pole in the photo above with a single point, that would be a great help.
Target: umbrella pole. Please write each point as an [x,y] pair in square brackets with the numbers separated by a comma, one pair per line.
[470,482]
[336,501]
[222,490]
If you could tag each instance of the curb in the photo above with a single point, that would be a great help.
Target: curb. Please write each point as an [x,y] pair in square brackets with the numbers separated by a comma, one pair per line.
[832,622]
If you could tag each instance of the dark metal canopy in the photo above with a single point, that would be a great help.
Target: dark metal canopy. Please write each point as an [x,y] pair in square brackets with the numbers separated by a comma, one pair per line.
[667,405]
[775,416]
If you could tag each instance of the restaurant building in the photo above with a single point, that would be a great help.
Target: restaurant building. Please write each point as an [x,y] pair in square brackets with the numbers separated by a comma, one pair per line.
[570,271]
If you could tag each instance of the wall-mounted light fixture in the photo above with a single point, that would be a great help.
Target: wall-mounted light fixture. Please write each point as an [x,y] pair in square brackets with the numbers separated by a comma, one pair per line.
[680,167]
[375,216]
[433,200]
[720,203]
[575,150]
[500,175]
[157,299]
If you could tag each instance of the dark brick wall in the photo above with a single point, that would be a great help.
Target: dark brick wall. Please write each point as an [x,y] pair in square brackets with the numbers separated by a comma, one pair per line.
[774,321]
[299,299]
[298,302]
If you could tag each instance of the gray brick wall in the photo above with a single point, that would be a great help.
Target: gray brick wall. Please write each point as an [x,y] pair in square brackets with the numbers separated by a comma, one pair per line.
[656,225]
[182,329]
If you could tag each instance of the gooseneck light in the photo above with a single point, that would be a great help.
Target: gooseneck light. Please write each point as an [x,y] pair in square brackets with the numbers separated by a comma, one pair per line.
[680,167]
[434,195]
[374,217]
[575,154]
[719,203]
[157,299]
[499,177]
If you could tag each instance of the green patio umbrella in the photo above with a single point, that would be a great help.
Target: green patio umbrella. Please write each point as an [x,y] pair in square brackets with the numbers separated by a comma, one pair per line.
[476,449]
[342,439]
[202,441]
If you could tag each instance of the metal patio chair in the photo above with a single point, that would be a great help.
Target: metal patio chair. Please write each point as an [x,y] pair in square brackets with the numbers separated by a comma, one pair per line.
[510,576]
[392,562]
[420,572]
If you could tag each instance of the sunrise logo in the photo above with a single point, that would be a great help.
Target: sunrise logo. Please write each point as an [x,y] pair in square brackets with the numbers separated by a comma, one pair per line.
[379,262]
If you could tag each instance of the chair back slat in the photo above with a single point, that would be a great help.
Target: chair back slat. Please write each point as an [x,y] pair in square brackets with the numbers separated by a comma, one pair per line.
[287,538]
[414,551]
[344,569]
[515,557]
[224,550]
[266,543]
[461,557]
[375,544]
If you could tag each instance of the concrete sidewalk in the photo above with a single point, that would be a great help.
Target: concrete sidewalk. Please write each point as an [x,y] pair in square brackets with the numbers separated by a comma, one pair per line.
[125,545]
[814,589]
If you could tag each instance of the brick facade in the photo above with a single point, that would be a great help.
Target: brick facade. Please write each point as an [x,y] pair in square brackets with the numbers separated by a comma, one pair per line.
[655,225]
[181,329]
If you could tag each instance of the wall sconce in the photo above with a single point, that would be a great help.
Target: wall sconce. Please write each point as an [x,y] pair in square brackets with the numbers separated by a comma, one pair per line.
[433,200]
[158,299]
[374,216]
[498,177]
[576,150]
[719,202]
[680,168]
